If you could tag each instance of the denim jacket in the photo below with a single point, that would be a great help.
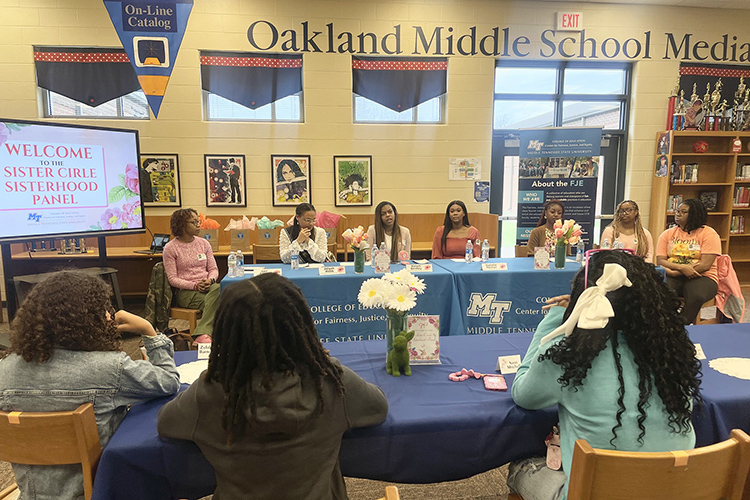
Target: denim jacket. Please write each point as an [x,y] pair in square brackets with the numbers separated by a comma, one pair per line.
[108,380]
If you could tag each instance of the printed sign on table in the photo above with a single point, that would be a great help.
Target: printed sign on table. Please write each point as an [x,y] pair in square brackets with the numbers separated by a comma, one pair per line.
[424,348]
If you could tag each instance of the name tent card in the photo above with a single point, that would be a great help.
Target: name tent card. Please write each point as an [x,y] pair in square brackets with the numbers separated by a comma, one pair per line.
[494,266]
[331,270]
[508,364]
[257,271]
[204,350]
[699,354]
[424,348]
[419,268]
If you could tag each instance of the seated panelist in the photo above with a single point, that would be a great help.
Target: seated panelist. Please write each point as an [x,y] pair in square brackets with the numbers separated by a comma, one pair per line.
[450,239]
[387,230]
[310,242]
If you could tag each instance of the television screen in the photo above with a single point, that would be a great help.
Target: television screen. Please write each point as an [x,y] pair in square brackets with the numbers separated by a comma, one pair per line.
[62,180]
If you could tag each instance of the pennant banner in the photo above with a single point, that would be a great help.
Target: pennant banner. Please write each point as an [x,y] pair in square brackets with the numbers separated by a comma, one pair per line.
[151,34]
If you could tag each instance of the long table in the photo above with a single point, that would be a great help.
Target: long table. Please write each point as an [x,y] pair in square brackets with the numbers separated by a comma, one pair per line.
[436,430]
[338,315]
[510,300]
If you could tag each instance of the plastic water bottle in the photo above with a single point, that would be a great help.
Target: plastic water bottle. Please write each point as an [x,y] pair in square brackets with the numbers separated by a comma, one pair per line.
[469,251]
[485,250]
[240,268]
[295,259]
[382,260]
[232,264]
[580,247]
[373,254]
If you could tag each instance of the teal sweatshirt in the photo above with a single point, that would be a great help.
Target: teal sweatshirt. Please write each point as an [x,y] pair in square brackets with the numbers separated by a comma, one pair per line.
[590,411]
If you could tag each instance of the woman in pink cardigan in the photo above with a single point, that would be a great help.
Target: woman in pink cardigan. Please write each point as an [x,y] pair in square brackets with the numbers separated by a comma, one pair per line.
[191,268]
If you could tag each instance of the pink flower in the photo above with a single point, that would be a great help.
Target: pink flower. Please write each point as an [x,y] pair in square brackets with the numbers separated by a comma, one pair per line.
[558,223]
[111,218]
[576,232]
[131,177]
[131,212]
[4,133]
[559,232]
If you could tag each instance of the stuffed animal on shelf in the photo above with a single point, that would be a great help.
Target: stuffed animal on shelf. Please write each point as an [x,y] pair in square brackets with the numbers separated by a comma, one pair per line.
[398,358]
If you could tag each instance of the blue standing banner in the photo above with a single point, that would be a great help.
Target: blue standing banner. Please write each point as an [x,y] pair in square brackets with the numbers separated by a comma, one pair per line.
[558,164]
[151,33]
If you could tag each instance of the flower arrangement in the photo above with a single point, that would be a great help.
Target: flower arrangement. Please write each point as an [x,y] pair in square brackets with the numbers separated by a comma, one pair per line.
[357,238]
[567,232]
[393,291]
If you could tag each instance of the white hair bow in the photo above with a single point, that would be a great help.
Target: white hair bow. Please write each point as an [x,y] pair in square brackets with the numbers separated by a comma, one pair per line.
[593,310]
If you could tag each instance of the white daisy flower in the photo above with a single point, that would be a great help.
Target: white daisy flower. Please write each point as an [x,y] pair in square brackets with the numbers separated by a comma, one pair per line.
[401,276]
[372,293]
[400,298]
[416,284]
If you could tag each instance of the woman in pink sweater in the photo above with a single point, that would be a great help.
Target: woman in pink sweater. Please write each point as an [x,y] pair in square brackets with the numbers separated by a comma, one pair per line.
[191,268]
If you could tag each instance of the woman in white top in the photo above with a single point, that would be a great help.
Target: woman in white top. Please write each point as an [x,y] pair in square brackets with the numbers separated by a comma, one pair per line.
[626,231]
[303,237]
[386,229]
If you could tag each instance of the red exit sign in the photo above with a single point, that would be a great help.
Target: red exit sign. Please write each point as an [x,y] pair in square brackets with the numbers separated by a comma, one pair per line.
[569,21]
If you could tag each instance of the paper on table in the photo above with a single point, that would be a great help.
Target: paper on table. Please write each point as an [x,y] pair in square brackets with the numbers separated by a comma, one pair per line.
[346,264]
[457,260]
[708,312]
[734,367]
[315,265]
[189,372]
[422,261]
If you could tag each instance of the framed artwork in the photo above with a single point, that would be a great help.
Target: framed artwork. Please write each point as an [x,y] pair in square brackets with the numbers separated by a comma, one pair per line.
[290,178]
[225,180]
[159,178]
[353,178]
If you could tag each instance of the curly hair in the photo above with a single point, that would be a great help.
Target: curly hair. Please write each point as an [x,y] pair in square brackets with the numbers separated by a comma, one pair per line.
[543,218]
[180,219]
[697,216]
[53,316]
[646,317]
[448,223]
[263,327]
[642,246]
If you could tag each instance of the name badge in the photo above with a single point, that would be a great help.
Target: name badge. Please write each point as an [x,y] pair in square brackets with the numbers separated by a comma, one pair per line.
[419,268]
[201,256]
[494,266]
[508,364]
[331,270]
[204,350]
[694,247]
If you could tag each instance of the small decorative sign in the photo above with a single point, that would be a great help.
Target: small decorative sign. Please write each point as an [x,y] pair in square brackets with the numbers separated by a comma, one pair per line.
[419,268]
[494,266]
[424,348]
[257,271]
[331,270]
[204,350]
[541,258]
[508,364]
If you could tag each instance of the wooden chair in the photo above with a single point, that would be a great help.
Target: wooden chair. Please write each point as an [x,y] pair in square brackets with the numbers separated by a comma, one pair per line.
[52,438]
[521,251]
[191,315]
[714,472]
[266,253]
[391,493]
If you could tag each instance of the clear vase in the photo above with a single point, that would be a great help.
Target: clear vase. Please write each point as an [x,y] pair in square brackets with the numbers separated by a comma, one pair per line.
[359,261]
[560,250]
[395,323]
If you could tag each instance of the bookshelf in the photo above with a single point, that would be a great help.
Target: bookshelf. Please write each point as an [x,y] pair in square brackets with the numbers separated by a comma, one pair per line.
[719,170]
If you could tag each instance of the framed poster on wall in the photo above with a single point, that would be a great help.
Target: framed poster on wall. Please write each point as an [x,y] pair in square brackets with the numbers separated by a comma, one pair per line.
[353,180]
[290,178]
[159,177]
[225,180]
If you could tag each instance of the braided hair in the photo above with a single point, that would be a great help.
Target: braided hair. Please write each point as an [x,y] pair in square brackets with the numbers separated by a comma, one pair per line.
[642,246]
[646,316]
[264,327]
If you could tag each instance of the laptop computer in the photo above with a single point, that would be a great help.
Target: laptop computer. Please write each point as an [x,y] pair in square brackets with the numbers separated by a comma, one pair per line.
[157,245]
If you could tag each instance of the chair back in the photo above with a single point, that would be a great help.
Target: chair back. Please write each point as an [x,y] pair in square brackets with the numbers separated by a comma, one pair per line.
[391,493]
[266,253]
[712,472]
[52,438]
[521,251]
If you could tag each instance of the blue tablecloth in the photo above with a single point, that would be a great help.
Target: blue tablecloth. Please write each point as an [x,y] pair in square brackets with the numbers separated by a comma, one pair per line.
[340,318]
[436,430]
[506,301]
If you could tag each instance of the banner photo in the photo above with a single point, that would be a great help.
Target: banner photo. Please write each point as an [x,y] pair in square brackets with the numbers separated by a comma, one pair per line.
[151,33]
[558,164]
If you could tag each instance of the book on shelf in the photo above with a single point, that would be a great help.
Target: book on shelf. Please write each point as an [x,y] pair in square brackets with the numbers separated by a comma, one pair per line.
[737,224]
[741,197]
[684,173]
[674,201]
[743,172]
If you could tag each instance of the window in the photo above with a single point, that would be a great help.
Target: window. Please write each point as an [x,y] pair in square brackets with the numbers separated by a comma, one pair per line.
[247,86]
[558,94]
[367,111]
[133,105]
[399,89]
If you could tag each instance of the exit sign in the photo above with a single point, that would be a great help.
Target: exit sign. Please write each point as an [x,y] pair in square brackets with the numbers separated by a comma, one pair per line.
[569,21]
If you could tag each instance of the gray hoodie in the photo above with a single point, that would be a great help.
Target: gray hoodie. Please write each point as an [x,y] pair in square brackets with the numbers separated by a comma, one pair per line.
[288,450]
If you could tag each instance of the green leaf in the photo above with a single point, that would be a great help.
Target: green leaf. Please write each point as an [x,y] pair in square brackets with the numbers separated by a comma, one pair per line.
[13,127]
[96,227]
[129,194]
[122,179]
[116,193]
